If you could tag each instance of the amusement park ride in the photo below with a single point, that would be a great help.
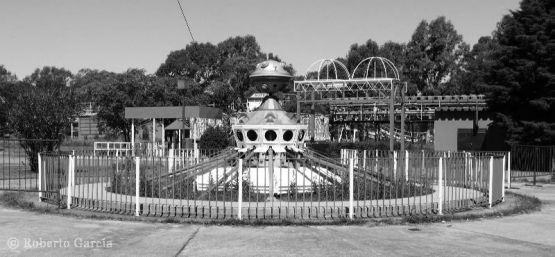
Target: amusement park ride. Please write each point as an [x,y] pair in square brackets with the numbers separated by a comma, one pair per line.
[373,94]
[271,142]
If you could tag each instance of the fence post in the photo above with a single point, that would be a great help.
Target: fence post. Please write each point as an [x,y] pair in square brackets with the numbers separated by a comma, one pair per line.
[39,179]
[240,193]
[465,169]
[137,184]
[490,186]
[503,187]
[395,165]
[423,161]
[341,155]
[196,153]
[440,187]
[364,160]
[70,172]
[406,165]
[351,189]
[171,160]
[509,170]
[376,163]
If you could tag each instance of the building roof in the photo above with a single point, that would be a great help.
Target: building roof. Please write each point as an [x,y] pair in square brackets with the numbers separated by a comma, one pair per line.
[173,112]
[176,125]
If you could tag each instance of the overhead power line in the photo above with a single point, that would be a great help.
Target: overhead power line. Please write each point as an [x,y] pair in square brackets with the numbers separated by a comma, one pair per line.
[186,22]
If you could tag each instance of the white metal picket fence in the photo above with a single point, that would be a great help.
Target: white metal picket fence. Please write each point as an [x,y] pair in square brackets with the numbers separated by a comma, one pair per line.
[231,185]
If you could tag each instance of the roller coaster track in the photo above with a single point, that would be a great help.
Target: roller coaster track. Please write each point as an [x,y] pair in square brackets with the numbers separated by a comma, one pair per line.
[365,109]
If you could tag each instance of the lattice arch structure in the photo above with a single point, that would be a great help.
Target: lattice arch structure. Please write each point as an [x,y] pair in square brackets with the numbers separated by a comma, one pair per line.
[375,68]
[373,77]
[327,69]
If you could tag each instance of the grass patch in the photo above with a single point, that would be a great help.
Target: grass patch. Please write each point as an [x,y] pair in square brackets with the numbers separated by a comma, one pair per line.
[16,200]
[24,201]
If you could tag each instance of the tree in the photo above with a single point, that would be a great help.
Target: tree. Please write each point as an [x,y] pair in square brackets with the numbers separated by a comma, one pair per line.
[89,83]
[8,91]
[49,77]
[132,88]
[238,57]
[521,80]
[288,67]
[127,90]
[8,96]
[197,61]
[469,78]
[396,53]
[6,76]
[357,53]
[433,53]
[221,72]
[42,113]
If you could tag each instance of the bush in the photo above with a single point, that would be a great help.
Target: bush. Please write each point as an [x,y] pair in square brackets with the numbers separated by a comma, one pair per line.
[215,138]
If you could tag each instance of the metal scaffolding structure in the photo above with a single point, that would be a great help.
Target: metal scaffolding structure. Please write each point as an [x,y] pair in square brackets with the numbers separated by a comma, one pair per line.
[372,93]
[329,80]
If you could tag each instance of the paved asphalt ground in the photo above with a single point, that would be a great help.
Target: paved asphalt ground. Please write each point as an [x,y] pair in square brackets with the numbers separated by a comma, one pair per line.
[30,234]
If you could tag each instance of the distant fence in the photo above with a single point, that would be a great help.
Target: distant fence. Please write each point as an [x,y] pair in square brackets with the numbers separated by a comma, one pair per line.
[259,186]
[15,167]
[144,150]
[532,161]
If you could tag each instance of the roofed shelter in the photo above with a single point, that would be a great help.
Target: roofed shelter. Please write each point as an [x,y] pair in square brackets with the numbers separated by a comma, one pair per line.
[192,113]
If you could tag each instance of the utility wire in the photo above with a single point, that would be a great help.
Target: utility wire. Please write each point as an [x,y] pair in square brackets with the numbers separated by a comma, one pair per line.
[186,22]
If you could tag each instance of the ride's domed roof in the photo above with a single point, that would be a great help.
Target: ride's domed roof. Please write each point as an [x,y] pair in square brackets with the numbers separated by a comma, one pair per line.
[270,68]
[269,113]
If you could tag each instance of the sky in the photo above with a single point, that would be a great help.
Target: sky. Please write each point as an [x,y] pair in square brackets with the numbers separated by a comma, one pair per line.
[115,35]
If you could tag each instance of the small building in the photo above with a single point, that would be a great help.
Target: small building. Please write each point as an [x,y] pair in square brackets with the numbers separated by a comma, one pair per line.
[458,129]
[186,122]
[85,126]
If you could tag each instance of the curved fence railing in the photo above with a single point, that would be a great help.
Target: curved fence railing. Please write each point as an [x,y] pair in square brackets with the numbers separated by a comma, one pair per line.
[262,186]
[226,184]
